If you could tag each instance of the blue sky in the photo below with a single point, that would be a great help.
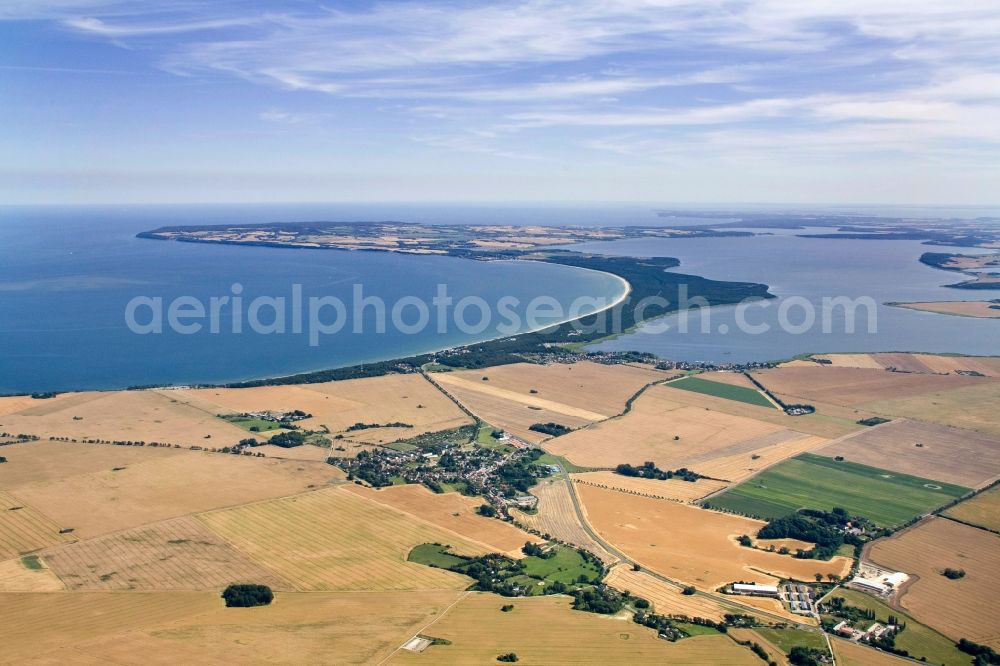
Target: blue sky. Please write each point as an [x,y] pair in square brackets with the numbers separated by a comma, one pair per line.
[799,101]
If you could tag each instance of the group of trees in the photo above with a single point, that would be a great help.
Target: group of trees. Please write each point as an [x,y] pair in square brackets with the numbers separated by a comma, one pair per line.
[245,595]
[369,426]
[534,550]
[983,654]
[553,429]
[823,528]
[649,470]
[599,599]
[666,625]
[288,440]
[803,656]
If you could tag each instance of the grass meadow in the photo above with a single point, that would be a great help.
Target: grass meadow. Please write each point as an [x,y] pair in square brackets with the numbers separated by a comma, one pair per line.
[811,481]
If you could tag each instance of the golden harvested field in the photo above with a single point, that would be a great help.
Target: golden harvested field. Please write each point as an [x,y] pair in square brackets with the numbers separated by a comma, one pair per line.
[150,416]
[648,432]
[453,382]
[971,407]
[982,510]
[304,452]
[335,540]
[23,529]
[43,461]
[108,501]
[866,361]
[983,309]
[946,454]
[545,630]
[177,554]
[849,653]
[671,489]
[856,386]
[831,421]
[989,365]
[666,599]
[38,623]
[299,628]
[573,395]
[392,398]
[965,608]
[16,403]
[450,511]
[557,517]
[737,467]
[919,363]
[592,387]
[512,416]
[16,577]
[689,544]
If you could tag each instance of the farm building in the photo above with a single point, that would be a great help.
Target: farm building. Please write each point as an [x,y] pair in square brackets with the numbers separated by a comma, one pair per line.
[877,580]
[755,590]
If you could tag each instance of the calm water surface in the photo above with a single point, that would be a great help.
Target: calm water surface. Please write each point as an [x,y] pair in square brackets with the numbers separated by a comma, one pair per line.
[810,269]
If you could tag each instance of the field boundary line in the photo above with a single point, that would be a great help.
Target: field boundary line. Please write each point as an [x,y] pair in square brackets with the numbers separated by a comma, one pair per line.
[422,629]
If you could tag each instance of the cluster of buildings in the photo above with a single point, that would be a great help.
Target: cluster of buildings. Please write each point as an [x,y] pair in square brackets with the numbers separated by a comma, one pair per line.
[277,417]
[877,580]
[477,467]
[800,598]
[872,633]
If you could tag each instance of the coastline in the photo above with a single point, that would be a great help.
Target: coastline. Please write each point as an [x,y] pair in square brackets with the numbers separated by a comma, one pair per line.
[990,309]
[627,291]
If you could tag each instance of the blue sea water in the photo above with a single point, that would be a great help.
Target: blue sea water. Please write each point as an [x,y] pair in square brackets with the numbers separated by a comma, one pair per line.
[67,274]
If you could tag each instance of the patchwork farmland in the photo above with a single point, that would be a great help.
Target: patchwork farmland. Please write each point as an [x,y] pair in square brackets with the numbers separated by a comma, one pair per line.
[557,517]
[450,511]
[166,487]
[952,455]
[479,632]
[158,532]
[729,391]
[967,607]
[662,430]
[811,481]
[23,529]
[335,540]
[692,545]
[177,554]
[983,510]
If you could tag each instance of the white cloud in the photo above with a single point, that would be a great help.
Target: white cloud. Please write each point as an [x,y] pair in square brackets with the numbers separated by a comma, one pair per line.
[283,117]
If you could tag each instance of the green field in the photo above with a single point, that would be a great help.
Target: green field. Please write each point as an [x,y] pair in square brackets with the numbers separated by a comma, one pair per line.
[251,424]
[486,440]
[696,629]
[786,639]
[566,567]
[720,390]
[811,481]
[917,639]
[434,555]
[32,562]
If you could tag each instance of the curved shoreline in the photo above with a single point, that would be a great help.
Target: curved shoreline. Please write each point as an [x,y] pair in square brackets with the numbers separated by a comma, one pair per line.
[625,294]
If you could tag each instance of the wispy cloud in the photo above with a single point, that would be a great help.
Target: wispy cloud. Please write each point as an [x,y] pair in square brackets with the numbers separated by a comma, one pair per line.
[283,117]
[663,80]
